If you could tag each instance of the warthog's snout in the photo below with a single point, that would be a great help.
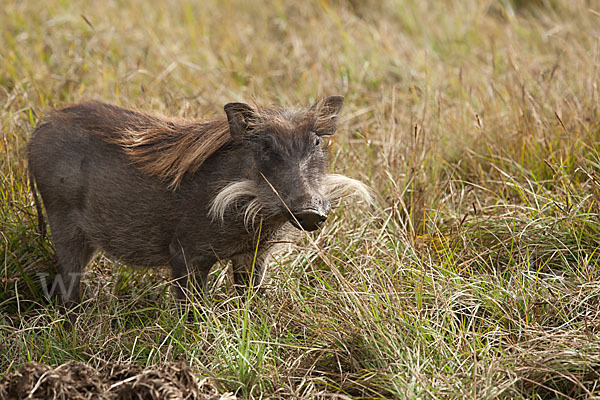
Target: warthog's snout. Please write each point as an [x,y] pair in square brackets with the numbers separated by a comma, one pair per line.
[309,219]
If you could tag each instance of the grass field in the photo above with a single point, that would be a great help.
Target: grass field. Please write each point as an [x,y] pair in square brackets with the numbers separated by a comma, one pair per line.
[476,123]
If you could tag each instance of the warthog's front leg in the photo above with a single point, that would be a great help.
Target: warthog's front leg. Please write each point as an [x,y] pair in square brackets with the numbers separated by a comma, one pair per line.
[189,273]
[248,271]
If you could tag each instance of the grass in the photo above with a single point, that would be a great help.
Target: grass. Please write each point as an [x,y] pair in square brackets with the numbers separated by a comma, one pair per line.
[475,274]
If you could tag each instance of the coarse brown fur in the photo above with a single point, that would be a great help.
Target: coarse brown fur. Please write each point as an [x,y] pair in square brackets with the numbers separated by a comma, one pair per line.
[167,148]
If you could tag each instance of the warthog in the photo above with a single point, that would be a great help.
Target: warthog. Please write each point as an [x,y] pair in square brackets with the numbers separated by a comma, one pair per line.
[153,191]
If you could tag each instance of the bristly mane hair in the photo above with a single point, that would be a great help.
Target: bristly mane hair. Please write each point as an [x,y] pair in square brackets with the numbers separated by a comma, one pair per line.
[170,148]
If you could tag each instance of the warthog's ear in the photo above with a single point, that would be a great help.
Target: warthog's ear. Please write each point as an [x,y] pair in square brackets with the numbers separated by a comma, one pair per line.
[328,111]
[241,118]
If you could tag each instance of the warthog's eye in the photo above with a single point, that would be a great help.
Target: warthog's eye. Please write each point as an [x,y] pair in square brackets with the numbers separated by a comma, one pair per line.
[318,141]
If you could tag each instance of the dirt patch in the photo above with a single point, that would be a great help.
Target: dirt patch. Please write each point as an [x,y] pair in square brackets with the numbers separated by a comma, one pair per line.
[77,381]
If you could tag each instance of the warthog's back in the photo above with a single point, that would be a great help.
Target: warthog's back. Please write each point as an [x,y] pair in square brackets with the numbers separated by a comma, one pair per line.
[88,185]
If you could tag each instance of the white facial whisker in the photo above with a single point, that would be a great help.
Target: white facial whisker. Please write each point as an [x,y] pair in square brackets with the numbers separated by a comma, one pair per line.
[337,186]
[232,194]
[252,210]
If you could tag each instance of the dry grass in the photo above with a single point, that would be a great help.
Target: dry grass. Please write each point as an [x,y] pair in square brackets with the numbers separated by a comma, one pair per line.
[475,123]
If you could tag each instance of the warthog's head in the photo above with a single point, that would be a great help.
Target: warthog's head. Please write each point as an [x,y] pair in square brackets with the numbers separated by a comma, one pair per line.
[290,160]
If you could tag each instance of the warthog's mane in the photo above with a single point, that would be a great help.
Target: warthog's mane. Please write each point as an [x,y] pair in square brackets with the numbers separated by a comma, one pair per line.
[171,148]
[244,194]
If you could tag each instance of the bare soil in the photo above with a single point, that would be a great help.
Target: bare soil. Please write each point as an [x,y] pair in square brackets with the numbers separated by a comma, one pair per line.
[77,380]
